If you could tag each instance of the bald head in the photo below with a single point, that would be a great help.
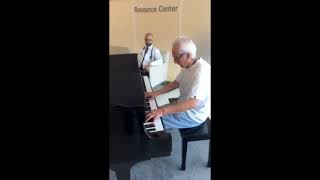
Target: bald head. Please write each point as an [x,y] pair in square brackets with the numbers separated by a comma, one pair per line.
[148,39]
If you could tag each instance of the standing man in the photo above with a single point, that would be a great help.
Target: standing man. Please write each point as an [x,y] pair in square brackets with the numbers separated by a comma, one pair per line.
[151,55]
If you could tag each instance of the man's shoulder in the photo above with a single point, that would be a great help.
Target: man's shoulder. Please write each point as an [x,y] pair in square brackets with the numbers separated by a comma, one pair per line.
[204,65]
[156,49]
[201,68]
[204,62]
[142,49]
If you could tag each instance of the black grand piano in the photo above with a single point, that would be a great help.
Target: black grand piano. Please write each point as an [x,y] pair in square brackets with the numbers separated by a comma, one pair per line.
[131,139]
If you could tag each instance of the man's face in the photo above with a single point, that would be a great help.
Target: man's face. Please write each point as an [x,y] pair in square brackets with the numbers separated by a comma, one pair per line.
[148,40]
[180,59]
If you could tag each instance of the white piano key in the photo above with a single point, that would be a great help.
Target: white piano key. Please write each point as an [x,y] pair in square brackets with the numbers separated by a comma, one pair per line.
[147,83]
[158,124]
[153,105]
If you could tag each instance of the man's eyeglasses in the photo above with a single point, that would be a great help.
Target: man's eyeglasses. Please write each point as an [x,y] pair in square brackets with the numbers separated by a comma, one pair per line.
[178,57]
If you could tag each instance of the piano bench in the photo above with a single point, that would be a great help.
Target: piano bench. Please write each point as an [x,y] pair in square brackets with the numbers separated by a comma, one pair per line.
[198,133]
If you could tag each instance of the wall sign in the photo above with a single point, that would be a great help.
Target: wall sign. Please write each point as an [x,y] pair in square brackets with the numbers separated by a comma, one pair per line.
[160,8]
[160,17]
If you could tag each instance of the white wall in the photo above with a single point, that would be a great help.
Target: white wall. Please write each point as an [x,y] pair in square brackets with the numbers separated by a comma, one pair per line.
[195,23]
[164,25]
[121,24]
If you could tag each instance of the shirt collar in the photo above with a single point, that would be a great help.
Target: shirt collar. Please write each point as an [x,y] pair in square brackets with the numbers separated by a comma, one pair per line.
[150,47]
[191,67]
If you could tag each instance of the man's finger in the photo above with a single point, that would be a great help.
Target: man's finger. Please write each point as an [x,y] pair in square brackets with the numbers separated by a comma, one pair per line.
[147,115]
[151,120]
[157,116]
[148,118]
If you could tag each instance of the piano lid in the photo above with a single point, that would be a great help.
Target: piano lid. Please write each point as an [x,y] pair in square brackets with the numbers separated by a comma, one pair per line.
[126,86]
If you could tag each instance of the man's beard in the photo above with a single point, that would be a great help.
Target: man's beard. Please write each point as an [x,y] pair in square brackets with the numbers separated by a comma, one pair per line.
[148,44]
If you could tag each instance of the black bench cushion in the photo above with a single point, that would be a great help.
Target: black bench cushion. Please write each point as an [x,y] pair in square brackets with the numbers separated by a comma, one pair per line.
[201,132]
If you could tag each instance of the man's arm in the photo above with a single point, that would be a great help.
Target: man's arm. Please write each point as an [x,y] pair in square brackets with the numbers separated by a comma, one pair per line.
[171,86]
[172,108]
[180,106]
[157,58]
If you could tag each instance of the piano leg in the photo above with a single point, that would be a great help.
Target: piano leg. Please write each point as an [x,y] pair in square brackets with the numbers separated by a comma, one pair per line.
[122,171]
[123,175]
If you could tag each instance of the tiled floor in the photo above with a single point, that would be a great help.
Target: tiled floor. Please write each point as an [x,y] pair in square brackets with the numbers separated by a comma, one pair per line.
[167,168]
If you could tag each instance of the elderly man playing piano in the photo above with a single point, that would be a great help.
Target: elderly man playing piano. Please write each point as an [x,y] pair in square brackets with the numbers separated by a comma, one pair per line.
[193,107]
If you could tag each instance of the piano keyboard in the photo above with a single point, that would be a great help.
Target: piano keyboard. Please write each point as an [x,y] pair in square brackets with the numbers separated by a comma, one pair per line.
[151,127]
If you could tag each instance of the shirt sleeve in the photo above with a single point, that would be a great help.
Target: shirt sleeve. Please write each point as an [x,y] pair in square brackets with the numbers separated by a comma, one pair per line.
[157,58]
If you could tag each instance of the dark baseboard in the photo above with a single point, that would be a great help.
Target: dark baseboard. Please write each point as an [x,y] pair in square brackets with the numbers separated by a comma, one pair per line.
[157,87]
[165,83]
[173,100]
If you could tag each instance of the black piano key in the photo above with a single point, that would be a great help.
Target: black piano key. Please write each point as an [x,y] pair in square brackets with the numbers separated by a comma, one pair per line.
[149,125]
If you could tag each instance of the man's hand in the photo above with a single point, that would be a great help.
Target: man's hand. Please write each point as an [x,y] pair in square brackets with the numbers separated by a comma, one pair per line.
[154,114]
[146,67]
[151,95]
